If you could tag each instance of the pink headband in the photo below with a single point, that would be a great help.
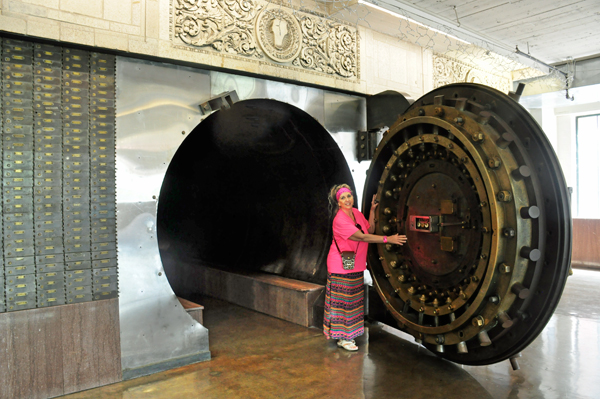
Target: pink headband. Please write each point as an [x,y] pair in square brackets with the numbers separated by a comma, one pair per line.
[341,191]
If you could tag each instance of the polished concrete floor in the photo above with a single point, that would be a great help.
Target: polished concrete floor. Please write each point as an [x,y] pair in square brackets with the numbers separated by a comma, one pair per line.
[257,356]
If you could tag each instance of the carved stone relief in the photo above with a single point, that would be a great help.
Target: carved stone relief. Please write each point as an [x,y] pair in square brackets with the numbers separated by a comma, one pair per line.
[447,70]
[259,31]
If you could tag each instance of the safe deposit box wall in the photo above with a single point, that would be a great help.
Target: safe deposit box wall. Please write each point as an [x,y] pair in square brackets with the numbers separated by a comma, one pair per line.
[58,180]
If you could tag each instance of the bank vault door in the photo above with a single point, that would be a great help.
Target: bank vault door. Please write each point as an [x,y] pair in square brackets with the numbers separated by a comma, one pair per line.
[473,182]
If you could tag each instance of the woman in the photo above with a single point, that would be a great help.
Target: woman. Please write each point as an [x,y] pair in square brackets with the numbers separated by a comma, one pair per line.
[344,297]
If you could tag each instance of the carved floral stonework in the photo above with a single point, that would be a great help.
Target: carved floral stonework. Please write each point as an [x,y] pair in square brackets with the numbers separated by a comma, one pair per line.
[257,30]
[447,70]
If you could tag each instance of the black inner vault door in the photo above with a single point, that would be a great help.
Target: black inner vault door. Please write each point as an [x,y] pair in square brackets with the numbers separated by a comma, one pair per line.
[247,190]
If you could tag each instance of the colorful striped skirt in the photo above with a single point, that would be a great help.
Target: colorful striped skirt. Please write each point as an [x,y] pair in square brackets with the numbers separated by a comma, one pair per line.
[344,306]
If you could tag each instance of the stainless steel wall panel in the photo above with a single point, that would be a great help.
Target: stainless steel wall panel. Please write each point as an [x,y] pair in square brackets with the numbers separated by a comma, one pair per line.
[156,103]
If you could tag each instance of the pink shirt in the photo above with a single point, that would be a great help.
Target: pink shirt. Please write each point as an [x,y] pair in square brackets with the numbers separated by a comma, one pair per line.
[343,228]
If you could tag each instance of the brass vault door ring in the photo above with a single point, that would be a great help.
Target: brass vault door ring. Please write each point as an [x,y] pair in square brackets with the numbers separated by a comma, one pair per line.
[473,182]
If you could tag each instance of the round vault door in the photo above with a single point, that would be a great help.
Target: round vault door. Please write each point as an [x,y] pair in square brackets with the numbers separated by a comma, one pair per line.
[473,182]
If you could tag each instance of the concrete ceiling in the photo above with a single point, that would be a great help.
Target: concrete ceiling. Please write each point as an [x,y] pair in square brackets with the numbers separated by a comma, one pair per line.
[550,31]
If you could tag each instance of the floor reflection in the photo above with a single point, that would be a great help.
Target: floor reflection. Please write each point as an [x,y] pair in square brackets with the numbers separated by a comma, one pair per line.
[257,356]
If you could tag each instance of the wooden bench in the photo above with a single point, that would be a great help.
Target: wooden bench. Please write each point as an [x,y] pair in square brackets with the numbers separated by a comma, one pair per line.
[193,309]
[293,300]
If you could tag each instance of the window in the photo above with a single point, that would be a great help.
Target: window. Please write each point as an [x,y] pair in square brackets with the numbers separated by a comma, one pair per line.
[587,201]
